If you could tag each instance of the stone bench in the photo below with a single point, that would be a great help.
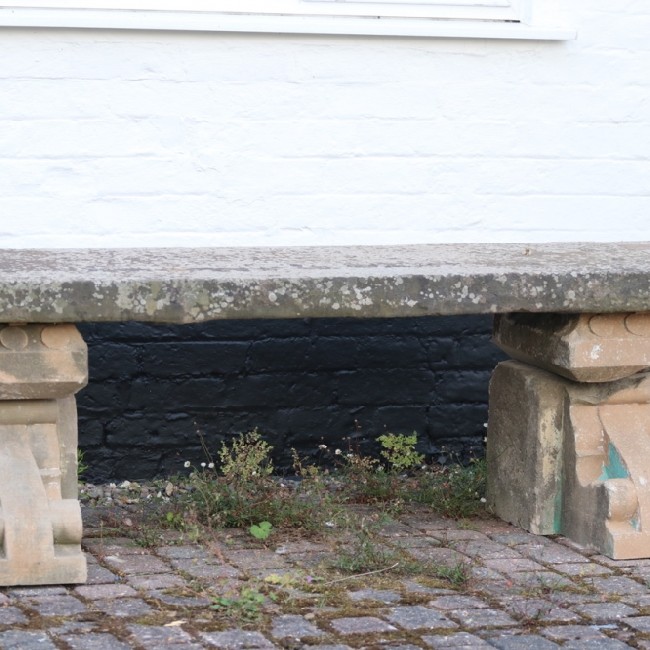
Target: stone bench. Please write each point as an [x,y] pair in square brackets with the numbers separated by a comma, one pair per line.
[569,429]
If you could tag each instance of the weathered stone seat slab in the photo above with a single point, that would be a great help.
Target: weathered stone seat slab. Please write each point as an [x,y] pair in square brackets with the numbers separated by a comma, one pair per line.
[570,443]
[192,285]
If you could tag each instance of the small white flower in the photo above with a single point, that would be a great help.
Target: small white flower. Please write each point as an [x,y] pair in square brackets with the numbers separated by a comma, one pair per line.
[483,500]
[330,524]
[186,463]
[337,452]
[322,446]
[210,465]
[202,464]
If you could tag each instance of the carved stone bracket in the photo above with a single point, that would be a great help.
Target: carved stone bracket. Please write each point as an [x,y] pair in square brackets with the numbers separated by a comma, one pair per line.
[569,429]
[41,367]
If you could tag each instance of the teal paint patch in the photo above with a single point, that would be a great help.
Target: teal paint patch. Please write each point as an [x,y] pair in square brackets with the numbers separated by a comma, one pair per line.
[635,523]
[615,467]
[557,512]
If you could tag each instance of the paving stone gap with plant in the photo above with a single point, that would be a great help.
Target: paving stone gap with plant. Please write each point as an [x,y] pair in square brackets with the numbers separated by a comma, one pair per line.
[348,501]
[241,490]
[355,552]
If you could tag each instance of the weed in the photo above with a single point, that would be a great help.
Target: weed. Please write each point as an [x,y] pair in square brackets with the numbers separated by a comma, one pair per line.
[545,586]
[246,459]
[246,493]
[370,482]
[399,451]
[82,467]
[362,465]
[376,487]
[146,536]
[366,481]
[220,503]
[174,520]
[243,493]
[309,474]
[454,491]
[262,530]
[246,605]
[364,555]
[285,580]
[458,575]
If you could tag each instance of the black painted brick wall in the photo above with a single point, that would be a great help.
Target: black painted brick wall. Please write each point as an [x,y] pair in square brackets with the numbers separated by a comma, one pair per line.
[302,383]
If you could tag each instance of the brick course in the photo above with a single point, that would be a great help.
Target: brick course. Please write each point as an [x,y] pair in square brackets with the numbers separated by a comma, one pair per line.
[302,383]
[126,138]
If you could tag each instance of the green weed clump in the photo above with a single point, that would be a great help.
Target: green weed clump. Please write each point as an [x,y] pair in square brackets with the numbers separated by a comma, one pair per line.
[239,490]
[244,606]
[458,575]
[365,481]
[453,491]
[370,481]
[242,492]
[246,459]
[364,555]
[399,451]
[82,466]
[262,530]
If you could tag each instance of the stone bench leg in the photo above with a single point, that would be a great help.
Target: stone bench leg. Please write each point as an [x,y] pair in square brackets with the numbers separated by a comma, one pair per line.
[41,367]
[569,429]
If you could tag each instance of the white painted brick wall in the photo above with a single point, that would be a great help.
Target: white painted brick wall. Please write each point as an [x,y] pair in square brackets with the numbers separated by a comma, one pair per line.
[122,138]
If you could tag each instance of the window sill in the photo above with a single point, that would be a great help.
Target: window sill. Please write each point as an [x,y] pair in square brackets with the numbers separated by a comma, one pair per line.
[278,24]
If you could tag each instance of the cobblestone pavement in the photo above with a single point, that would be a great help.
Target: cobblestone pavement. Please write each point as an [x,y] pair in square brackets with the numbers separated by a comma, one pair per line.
[504,589]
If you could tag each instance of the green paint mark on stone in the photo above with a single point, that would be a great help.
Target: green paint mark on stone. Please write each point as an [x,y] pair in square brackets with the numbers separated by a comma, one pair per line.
[615,467]
[557,511]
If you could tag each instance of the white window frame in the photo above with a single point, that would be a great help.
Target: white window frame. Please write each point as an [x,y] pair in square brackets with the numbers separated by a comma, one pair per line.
[511,19]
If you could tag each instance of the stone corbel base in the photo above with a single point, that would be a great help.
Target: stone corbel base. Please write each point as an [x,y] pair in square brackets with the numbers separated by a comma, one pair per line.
[40,519]
[567,456]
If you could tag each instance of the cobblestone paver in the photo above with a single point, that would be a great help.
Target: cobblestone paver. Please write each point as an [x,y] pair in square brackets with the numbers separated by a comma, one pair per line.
[494,587]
